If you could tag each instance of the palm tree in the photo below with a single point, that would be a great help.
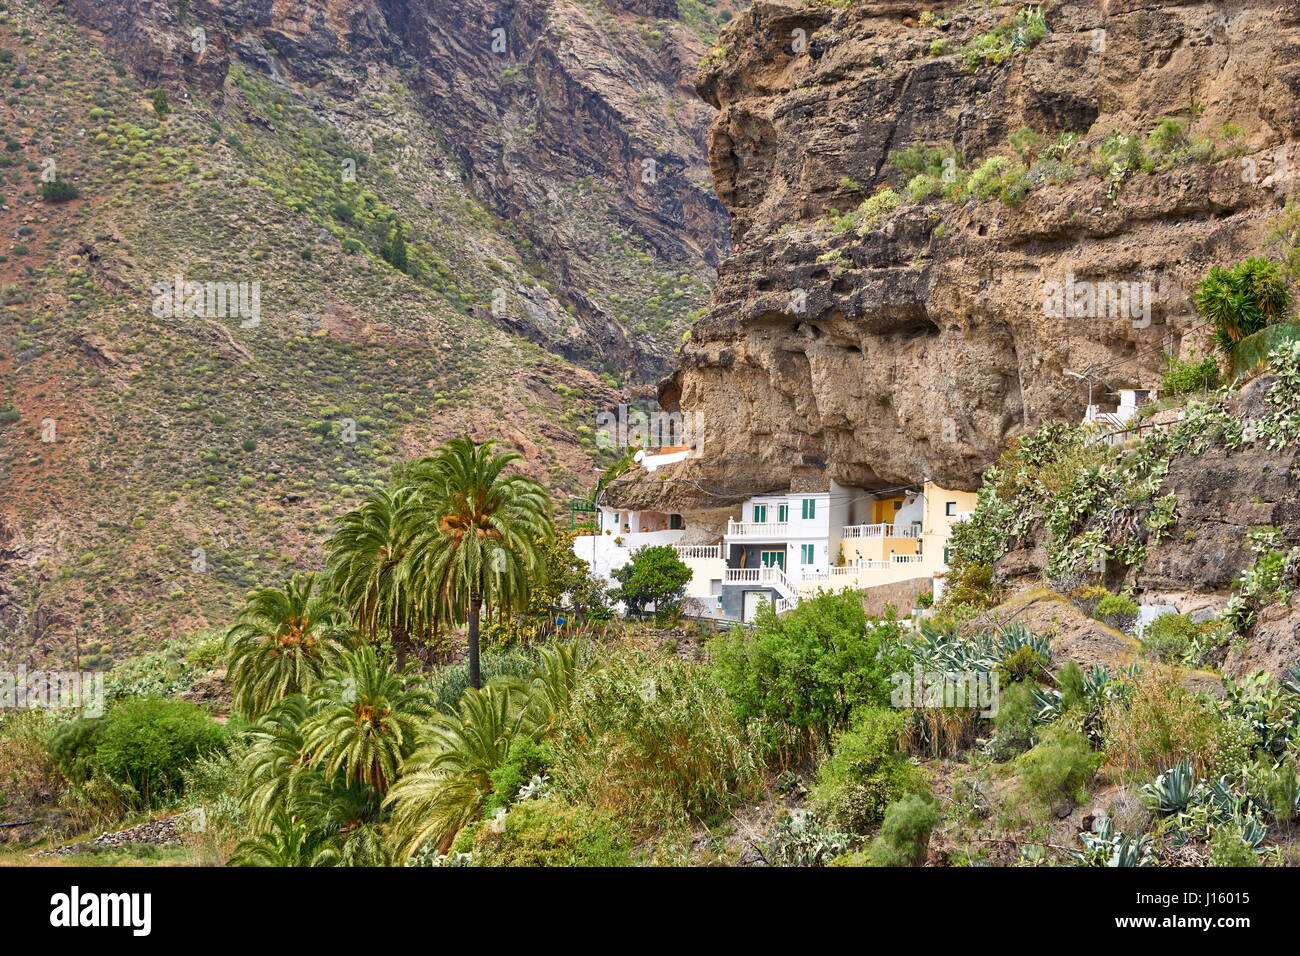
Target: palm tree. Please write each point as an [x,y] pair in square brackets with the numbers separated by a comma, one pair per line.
[288,843]
[281,643]
[368,721]
[367,573]
[475,536]
[274,770]
[445,783]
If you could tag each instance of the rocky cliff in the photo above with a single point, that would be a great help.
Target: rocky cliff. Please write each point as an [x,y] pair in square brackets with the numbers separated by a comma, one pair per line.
[1129,145]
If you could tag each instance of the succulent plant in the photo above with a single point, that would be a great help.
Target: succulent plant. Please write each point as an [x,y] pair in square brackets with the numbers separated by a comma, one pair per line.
[1175,789]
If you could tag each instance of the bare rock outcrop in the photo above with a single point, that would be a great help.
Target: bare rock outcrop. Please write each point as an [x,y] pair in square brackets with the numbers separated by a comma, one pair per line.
[915,347]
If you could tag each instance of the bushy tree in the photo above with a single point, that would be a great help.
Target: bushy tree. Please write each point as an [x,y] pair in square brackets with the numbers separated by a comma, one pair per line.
[148,741]
[806,671]
[654,576]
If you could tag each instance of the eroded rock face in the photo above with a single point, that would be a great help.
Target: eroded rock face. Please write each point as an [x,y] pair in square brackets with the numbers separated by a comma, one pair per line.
[578,124]
[916,349]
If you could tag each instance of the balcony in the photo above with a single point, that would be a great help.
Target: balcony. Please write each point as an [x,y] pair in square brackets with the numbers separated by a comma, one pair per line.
[757,529]
[685,551]
[880,531]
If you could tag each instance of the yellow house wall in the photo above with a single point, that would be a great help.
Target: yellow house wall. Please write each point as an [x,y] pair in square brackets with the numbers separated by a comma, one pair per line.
[877,549]
[883,510]
[937,524]
[703,570]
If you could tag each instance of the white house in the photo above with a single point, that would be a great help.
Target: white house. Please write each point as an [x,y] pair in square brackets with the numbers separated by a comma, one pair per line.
[782,547]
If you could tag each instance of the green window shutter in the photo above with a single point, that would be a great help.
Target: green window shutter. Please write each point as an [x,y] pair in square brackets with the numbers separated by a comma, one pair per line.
[809,508]
[806,553]
[760,513]
[783,513]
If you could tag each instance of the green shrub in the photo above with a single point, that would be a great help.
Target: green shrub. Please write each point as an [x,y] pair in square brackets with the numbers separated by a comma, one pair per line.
[160,104]
[57,190]
[1061,767]
[1013,35]
[1229,848]
[905,832]
[1014,721]
[866,772]
[548,832]
[526,758]
[147,742]
[804,672]
[1118,611]
[655,743]
[1170,637]
[1181,377]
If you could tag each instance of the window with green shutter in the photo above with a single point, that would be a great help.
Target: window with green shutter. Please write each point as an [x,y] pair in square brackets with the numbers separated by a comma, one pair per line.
[760,513]
[783,513]
[806,554]
[809,508]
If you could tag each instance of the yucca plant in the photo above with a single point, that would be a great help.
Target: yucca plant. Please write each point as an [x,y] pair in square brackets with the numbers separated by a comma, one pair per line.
[282,642]
[1242,300]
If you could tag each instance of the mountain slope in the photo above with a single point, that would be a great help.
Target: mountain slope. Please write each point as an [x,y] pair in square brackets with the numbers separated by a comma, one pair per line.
[157,463]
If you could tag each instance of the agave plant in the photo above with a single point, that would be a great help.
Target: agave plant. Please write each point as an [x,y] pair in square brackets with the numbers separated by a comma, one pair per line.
[1105,847]
[1175,789]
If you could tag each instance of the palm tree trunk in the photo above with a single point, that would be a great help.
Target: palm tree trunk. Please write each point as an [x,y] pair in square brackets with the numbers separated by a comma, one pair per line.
[401,643]
[475,605]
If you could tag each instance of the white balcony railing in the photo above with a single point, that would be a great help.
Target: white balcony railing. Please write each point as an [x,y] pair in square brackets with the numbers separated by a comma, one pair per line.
[757,529]
[698,550]
[880,531]
[771,576]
